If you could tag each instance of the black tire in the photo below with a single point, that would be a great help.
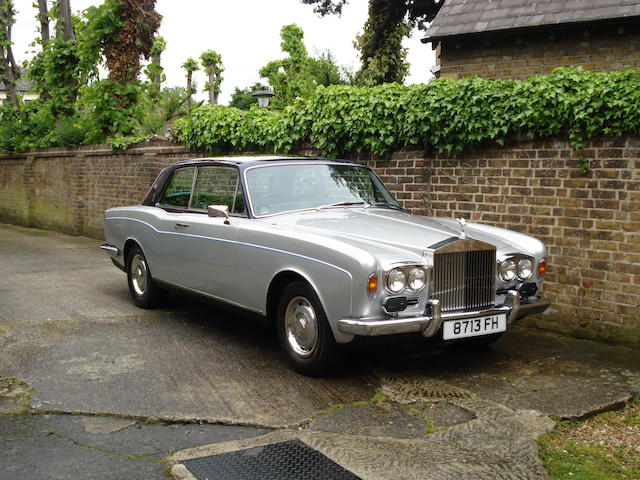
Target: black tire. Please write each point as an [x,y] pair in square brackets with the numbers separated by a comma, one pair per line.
[307,342]
[144,291]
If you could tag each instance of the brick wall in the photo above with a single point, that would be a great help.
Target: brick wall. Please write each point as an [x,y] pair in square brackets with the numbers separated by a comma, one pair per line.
[590,224]
[614,47]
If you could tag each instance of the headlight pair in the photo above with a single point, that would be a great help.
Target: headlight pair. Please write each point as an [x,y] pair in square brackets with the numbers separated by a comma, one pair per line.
[400,278]
[516,267]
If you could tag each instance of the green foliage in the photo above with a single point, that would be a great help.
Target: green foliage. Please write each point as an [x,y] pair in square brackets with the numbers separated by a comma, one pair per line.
[112,108]
[74,107]
[215,128]
[212,63]
[100,24]
[190,65]
[32,126]
[243,99]
[387,62]
[55,74]
[159,45]
[167,105]
[298,75]
[380,44]
[448,115]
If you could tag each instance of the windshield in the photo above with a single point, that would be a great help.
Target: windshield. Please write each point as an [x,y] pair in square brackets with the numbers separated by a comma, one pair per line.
[282,188]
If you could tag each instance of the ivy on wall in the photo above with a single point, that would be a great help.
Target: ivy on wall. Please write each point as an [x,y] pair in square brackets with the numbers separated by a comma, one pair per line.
[448,115]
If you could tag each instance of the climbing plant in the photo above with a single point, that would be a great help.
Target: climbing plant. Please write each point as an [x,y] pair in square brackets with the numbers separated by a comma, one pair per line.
[448,115]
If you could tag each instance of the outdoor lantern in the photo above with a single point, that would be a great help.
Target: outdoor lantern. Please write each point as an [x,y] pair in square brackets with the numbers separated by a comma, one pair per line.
[263,97]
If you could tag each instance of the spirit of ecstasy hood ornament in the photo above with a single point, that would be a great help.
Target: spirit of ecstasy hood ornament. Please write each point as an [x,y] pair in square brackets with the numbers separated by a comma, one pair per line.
[463,223]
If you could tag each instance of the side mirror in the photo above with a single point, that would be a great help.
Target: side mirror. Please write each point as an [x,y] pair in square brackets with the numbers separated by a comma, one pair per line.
[219,211]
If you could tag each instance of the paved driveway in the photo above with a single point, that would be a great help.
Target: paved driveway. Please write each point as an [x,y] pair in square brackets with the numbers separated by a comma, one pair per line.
[69,331]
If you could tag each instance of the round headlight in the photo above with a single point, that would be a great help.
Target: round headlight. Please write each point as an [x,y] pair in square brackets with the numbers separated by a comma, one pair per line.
[417,279]
[525,268]
[396,280]
[508,269]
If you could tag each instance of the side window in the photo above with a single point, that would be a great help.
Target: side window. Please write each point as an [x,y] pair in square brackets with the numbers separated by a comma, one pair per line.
[218,186]
[178,190]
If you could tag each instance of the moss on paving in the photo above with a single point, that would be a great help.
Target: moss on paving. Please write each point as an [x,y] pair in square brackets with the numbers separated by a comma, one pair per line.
[604,447]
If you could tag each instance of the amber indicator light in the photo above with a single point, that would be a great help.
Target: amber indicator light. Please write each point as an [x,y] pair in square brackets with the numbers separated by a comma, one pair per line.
[542,267]
[373,283]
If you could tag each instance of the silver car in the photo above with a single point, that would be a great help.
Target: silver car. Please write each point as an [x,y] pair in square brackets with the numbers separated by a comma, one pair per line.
[321,249]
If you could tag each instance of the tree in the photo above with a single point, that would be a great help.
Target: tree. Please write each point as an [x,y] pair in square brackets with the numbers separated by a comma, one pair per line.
[382,57]
[243,99]
[64,25]
[190,65]
[212,63]
[298,75]
[9,71]
[155,68]
[43,17]
[132,39]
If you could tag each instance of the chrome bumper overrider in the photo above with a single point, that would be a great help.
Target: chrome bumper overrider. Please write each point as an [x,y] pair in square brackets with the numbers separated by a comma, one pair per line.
[110,248]
[430,324]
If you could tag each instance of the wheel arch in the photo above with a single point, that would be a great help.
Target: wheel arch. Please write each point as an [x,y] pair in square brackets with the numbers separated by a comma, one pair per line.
[129,244]
[278,283]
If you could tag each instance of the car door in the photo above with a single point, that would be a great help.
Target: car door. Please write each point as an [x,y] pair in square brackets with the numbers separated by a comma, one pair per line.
[202,249]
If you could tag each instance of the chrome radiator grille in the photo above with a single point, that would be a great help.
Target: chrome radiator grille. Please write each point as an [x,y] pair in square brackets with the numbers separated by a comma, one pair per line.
[464,280]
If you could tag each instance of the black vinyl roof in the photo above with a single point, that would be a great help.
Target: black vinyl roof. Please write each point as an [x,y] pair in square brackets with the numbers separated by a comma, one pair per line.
[483,17]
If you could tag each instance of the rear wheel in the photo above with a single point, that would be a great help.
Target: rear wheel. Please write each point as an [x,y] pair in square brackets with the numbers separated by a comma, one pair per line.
[144,291]
[303,331]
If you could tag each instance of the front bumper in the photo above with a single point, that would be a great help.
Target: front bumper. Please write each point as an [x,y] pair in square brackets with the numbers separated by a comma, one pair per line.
[430,323]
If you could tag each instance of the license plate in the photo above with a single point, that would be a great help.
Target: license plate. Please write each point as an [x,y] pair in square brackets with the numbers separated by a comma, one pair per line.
[474,327]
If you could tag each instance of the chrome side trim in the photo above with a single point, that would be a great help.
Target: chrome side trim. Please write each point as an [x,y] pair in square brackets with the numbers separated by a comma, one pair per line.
[241,244]
[110,249]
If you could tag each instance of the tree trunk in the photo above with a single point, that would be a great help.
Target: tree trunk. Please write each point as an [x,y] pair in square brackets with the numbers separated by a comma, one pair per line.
[9,72]
[43,16]
[9,78]
[157,77]
[213,95]
[189,86]
[64,26]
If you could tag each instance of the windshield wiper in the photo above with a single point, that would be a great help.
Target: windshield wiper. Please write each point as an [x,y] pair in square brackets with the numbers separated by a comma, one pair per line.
[343,204]
[387,205]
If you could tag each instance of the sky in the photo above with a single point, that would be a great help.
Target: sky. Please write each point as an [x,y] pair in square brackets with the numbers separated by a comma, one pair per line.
[245,32]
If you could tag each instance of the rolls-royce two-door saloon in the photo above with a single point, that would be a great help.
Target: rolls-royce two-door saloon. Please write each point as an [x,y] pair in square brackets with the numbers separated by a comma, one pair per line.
[323,250]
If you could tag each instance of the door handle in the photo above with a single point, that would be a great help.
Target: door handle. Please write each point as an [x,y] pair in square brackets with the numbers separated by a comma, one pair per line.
[178,226]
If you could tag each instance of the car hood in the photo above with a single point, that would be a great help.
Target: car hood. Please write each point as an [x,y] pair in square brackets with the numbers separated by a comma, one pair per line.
[398,233]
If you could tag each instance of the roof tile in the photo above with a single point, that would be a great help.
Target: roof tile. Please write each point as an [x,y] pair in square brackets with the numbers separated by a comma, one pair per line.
[460,17]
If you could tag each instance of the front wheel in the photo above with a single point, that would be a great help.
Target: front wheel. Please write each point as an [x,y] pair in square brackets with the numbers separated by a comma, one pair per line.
[303,331]
[144,292]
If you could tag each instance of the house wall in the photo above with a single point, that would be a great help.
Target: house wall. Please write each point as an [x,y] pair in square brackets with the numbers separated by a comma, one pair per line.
[613,47]
[590,224]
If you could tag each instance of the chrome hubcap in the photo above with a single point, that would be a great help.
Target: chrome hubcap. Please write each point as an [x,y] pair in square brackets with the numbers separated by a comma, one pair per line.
[139,274]
[301,326]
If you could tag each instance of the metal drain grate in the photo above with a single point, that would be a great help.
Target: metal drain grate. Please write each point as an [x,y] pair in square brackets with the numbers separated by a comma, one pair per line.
[279,461]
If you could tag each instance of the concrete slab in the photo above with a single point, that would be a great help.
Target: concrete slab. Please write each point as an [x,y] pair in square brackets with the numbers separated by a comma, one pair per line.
[84,347]
[45,447]
[499,444]
[69,331]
